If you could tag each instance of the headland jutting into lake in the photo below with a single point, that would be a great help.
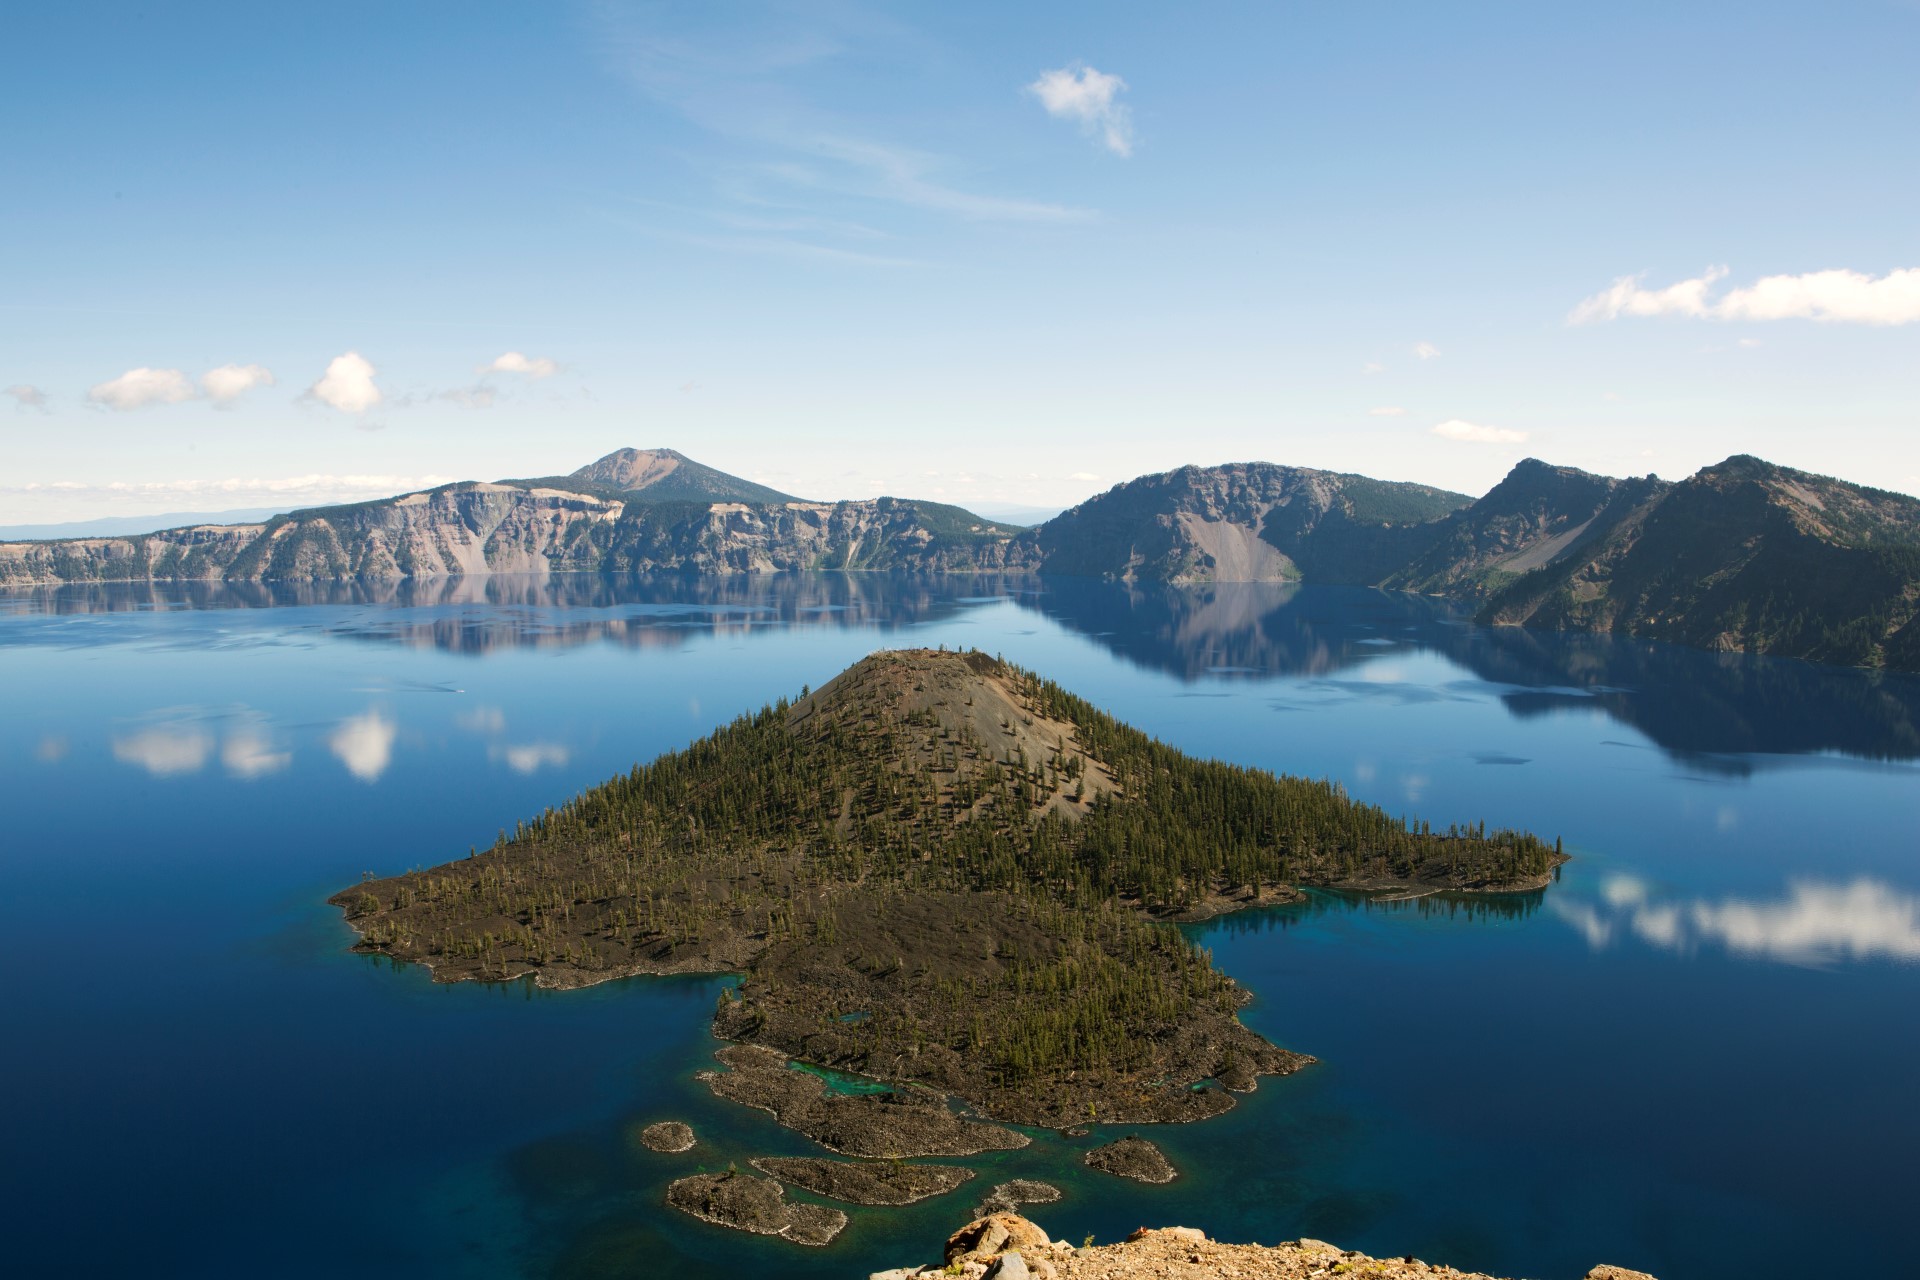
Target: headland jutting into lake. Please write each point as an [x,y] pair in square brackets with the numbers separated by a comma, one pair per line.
[942,872]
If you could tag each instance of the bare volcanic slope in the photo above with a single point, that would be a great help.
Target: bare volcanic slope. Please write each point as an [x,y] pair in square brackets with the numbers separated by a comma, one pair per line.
[662,475]
[937,870]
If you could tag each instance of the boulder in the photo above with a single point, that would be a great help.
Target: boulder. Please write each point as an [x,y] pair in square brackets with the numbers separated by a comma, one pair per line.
[996,1233]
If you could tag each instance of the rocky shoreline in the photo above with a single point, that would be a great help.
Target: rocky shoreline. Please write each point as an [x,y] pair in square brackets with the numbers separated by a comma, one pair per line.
[1006,1246]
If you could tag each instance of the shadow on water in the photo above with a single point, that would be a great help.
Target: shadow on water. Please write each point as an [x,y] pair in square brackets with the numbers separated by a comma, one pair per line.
[1470,907]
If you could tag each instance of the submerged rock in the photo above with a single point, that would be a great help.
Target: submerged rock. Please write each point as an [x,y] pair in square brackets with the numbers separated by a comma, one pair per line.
[1132,1157]
[669,1136]
[747,1203]
[864,1181]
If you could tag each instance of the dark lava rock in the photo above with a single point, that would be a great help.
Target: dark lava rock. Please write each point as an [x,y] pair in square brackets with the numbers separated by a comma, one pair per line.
[759,1205]
[895,1125]
[669,1136]
[862,1181]
[1009,1196]
[1132,1157]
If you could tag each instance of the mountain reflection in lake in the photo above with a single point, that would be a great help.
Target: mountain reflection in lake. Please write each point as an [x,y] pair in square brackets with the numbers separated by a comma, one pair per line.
[1727,714]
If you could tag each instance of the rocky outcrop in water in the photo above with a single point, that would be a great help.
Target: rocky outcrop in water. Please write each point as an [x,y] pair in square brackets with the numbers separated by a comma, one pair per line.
[869,1182]
[1132,1157]
[759,1205]
[668,1136]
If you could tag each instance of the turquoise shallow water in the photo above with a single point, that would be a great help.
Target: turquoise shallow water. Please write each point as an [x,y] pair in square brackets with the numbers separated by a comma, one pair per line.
[1692,1055]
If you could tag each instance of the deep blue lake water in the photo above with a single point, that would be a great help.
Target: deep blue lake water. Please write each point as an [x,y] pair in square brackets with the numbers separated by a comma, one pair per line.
[1696,1053]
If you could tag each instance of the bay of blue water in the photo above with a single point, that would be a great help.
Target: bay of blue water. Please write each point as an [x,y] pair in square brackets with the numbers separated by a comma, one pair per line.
[1695,1055]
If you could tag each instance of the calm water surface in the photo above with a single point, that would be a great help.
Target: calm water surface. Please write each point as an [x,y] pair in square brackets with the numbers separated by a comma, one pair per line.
[1693,1055]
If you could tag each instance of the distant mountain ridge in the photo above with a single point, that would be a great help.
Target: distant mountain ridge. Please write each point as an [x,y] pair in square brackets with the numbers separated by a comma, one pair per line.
[1743,556]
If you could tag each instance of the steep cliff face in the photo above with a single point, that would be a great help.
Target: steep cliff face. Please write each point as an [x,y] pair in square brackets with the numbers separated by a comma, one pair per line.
[1745,556]
[1536,516]
[1245,522]
[466,529]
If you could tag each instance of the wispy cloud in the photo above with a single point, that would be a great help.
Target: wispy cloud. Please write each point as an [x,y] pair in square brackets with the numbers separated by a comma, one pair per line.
[1080,93]
[1426,351]
[535,367]
[229,382]
[1831,297]
[26,396]
[138,388]
[749,90]
[1477,433]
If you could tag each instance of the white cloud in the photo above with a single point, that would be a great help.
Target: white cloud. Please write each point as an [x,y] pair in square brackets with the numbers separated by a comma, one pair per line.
[137,388]
[530,757]
[1834,297]
[1372,367]
[231,381]
[1475,433]
[1387,411]
[1086,477]
[364,744]
[250,753]
[27,397]
[514,362]
[1078,92]
[1426,350]
[165,750]
[347,384]
[1815,923]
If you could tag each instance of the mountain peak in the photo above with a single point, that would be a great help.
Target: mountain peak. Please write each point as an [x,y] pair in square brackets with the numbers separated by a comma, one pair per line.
[667,475]
[945,697]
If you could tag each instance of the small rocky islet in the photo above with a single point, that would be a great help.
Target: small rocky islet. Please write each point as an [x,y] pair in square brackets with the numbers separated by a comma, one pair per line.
[1132,1157]
[1015,1193]
[944,874]
[669,1137]
[746,1203]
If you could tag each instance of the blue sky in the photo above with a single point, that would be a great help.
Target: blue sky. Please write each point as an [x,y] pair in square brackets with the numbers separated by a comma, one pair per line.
[996,254]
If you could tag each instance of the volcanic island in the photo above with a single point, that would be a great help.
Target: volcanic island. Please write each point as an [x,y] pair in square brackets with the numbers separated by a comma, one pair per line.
[941,872]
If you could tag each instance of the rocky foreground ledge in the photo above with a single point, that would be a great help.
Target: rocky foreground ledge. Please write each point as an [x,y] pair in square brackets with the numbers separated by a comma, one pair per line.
[1006,1246]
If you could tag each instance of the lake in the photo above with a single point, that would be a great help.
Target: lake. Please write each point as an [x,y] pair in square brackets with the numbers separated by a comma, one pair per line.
[1695,1054]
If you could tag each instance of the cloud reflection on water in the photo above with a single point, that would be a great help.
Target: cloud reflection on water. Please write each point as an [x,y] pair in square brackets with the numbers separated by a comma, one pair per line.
[1817,922]
[165,750]
[364,743]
